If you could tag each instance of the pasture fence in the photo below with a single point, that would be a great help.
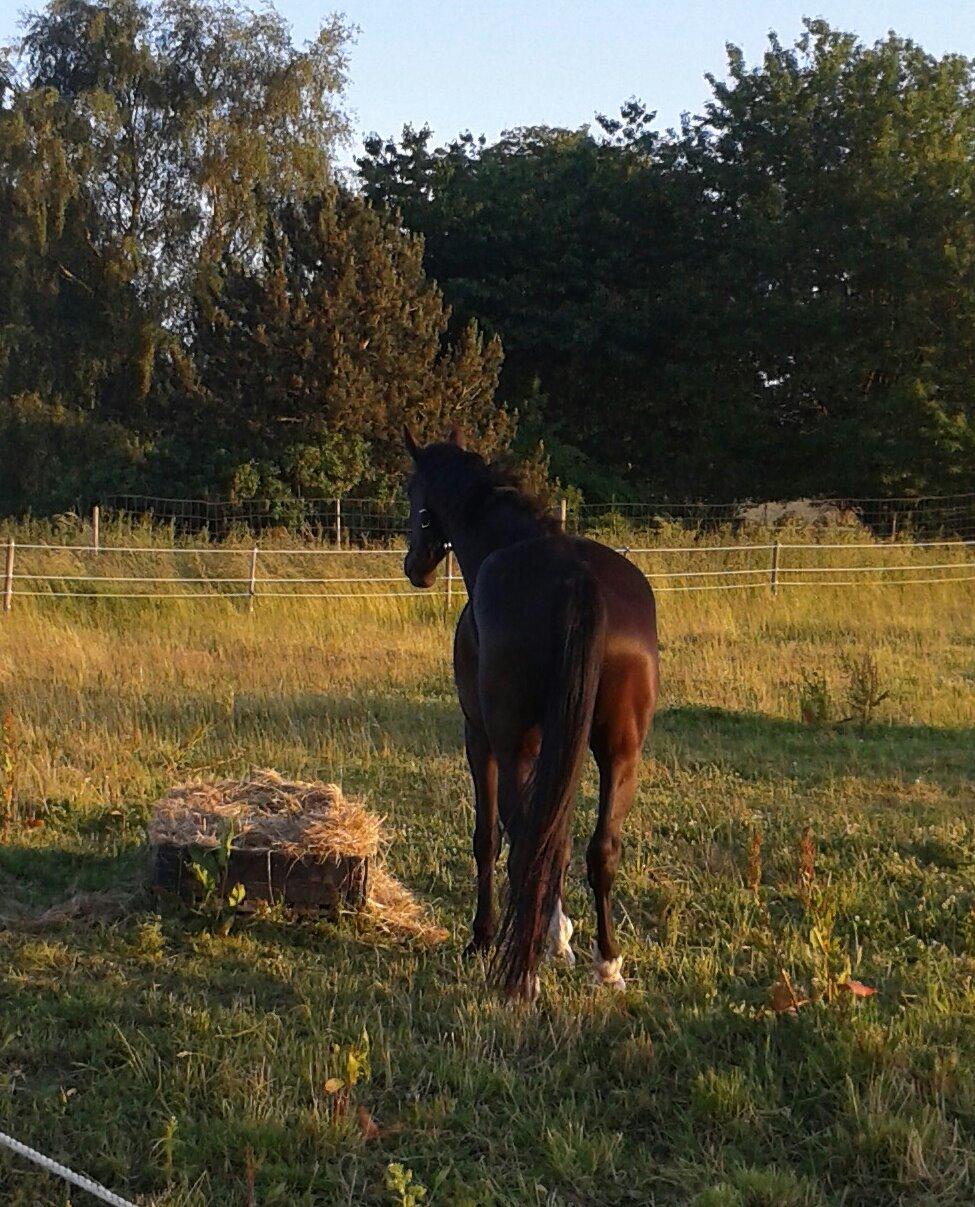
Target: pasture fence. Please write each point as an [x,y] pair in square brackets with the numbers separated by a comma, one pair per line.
[201,571]
[352,521]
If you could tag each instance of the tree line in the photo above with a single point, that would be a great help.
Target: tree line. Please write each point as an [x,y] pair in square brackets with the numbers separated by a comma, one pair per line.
[775,299]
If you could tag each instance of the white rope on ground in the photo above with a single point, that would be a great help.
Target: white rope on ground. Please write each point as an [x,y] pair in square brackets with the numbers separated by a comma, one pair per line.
[62,1171]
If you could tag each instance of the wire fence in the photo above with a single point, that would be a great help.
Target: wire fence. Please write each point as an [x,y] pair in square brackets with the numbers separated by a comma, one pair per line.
[203,571]
[360,521]
[340,521]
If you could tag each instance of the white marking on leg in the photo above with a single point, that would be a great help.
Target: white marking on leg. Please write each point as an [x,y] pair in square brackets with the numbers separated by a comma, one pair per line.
[559,933]
[606,972]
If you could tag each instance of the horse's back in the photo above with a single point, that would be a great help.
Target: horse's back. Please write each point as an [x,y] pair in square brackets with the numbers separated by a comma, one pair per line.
[525,584]
[518,602]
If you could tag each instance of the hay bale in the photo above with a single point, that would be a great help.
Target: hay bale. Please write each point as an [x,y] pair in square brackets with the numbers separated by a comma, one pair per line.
[305,845]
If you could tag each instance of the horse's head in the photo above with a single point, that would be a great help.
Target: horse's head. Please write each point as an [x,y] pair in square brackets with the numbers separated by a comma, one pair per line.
[428,540]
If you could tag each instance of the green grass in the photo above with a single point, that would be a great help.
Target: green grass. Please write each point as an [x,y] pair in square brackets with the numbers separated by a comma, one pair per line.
[167,1063]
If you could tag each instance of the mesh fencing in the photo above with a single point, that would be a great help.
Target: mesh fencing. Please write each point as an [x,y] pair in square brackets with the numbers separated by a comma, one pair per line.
[363,521]
[335,521]
[936,516]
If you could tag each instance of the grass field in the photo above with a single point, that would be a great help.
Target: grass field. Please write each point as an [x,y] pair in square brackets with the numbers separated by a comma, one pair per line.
[182,1068]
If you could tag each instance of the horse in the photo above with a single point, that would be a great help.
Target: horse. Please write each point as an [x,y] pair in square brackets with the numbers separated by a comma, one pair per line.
[555,650]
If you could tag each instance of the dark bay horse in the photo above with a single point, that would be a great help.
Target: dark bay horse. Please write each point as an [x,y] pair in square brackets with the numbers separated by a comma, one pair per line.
[555,650]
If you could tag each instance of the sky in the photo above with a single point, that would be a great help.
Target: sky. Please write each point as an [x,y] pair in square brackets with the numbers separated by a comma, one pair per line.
[490,65]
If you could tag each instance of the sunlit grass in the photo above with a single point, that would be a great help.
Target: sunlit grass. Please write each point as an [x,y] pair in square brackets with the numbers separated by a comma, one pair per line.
[165,1061]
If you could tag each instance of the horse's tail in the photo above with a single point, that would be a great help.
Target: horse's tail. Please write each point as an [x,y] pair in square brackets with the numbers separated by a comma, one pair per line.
[539,836]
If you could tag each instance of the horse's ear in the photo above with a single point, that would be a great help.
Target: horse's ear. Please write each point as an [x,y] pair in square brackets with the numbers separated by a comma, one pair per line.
[411,445]
[457,437]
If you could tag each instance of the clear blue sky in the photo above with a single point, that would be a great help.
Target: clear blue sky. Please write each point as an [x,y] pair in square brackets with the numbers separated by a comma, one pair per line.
[487,65]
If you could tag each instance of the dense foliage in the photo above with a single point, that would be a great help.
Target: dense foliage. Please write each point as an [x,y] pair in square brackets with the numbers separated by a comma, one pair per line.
[776,299]
[189,302]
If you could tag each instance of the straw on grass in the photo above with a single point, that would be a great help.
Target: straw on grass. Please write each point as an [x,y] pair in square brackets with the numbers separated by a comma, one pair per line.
[300,819]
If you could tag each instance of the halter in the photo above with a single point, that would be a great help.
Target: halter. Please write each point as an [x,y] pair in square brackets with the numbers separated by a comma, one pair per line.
[423,515]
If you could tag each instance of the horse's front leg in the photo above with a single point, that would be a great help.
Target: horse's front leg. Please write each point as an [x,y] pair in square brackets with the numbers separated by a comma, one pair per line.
[487,838]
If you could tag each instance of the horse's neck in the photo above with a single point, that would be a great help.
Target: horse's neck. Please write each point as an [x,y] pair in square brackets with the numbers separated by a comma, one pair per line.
[473,543]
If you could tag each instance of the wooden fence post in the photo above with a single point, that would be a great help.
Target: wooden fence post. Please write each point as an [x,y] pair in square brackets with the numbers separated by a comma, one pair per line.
[338,523]
[564,513]
[8,578]
[252,587]
[893,527]
[96,528]
[775,568]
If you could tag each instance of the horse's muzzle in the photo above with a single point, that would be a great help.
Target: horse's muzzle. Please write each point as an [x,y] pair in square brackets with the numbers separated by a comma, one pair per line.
[419,576]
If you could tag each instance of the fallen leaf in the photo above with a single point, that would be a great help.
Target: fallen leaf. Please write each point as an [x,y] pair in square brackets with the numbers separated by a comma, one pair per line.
[31,823]
[367,1125]
[857,988]
[784,997]
[333,1085]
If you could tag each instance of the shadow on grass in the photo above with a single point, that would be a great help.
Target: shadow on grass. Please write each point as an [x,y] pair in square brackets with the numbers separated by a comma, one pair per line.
[757,746]
[691,1072]
[95,888]
[38,876]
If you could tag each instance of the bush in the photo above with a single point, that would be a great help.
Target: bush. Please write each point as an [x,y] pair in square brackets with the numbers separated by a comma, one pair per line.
[55,458]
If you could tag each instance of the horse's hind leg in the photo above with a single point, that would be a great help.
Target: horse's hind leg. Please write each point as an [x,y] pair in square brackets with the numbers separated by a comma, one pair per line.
[487,838]
[616,742]
[515,760]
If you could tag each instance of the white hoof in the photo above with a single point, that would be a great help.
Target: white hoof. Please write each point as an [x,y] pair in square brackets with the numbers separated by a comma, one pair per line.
[559,933]
[606,972]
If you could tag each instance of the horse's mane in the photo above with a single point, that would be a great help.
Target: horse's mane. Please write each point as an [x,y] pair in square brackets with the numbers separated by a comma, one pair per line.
[470,487]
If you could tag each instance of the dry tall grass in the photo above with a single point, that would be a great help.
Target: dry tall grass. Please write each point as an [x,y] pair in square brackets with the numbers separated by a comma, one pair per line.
[181,1068]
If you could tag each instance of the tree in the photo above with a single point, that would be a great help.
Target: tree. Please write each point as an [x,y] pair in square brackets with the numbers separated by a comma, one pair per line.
[312,356]
[54,457]
[836,184]
[138,145]
[776,299]
[559,242]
